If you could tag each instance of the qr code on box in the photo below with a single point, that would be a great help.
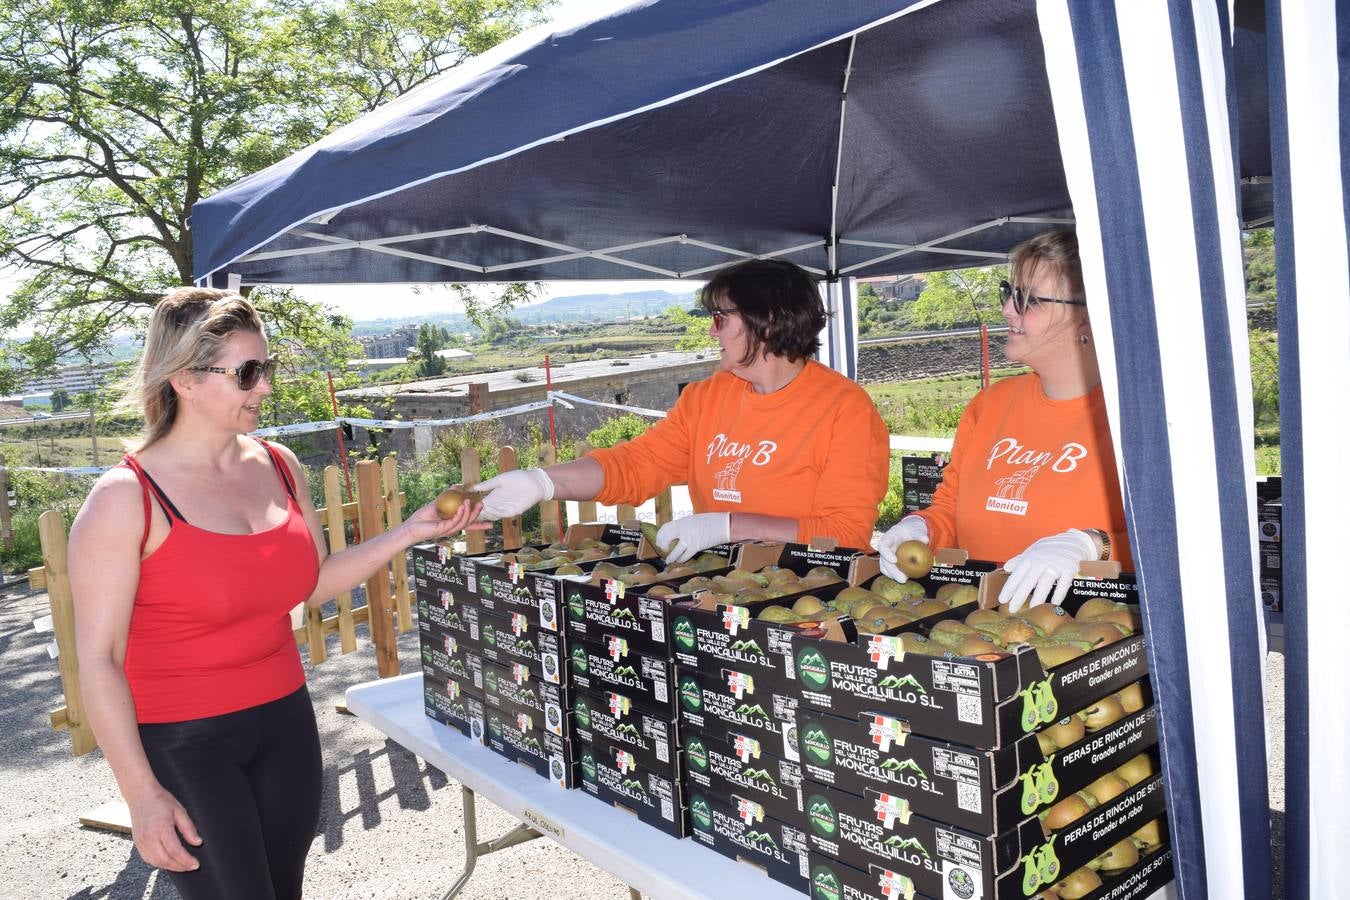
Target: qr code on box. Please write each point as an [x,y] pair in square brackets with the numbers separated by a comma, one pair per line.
[968,709]
[968,797]
[667,810]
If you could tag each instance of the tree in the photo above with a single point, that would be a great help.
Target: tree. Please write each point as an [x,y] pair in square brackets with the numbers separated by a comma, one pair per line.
[429,340]
[695,322]
[60,399]
[869,305]
[115,117]
[959,297]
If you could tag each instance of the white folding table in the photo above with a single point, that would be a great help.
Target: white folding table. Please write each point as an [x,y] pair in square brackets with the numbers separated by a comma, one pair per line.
[649,861]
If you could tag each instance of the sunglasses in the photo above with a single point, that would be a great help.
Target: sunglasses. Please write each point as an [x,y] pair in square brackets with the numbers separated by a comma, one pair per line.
[719,316]
[248,374]
[1022,300]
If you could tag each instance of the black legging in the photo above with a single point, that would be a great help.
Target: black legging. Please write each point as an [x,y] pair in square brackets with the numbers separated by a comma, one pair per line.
[251,781]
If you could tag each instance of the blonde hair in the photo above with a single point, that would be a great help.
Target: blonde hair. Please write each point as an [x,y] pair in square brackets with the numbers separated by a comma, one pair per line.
[1056,250]
[187,330]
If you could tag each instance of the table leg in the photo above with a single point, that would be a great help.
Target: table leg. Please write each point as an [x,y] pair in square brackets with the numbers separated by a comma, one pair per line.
[473,849]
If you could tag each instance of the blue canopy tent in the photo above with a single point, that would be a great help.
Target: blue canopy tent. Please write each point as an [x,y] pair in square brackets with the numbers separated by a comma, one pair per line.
[884,137]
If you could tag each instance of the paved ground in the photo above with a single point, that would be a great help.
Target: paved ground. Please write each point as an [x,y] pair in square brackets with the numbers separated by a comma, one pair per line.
[389,825]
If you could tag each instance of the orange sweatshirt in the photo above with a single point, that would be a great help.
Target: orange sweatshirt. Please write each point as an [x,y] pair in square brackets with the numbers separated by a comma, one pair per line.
[1023,467]
[815,451]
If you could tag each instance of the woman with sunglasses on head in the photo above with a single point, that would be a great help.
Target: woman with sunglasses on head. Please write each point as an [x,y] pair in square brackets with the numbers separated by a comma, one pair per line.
[1032,475]
[773,446]
[186,560]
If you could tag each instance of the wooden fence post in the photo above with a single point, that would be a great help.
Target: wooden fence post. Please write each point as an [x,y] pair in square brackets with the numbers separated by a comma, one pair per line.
[379,602]
[507,461]
[586,509]
[393,515]
[337,541]
[471,471]
[623,512]
[550,515]
[665,507]
[52,532]
[6,525]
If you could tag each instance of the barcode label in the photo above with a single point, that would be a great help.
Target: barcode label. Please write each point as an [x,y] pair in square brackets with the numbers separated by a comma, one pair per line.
[659,691]
[968,709]
[968,797]
[658,631]
[662,751]
[667,810]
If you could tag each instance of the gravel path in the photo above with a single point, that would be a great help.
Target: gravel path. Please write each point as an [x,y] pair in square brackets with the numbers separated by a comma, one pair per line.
[389,828]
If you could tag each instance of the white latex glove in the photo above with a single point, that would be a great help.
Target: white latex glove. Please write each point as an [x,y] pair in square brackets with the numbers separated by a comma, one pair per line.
[694,534]
[511,493]
[910,528]
[1051,562]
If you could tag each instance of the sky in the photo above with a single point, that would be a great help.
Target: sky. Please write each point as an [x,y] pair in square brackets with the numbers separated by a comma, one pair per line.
[365,302]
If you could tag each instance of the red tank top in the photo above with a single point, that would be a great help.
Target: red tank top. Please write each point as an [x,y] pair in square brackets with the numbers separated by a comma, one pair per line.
[210,627]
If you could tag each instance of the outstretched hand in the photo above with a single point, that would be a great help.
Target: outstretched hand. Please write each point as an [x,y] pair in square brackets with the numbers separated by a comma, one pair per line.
[159,826]
[427,525]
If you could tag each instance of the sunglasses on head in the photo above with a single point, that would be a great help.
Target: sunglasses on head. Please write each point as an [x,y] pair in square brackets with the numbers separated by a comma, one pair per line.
[719,316]
[248,373]
[1022,300]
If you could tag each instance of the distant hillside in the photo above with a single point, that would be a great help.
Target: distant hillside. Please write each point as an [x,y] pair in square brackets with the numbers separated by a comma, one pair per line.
[574,308]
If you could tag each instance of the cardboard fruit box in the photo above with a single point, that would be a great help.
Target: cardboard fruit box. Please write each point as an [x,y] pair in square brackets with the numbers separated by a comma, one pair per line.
[648,681]
[736,770]
[519,740]
[434,567]
[707,634]
[444,611]
[987,701]
[874,830]
[732,701]
[514,638]
[985,791]
[611,718]
[611,775]
[517,691]
[779,849]
[449,704]
[444,658]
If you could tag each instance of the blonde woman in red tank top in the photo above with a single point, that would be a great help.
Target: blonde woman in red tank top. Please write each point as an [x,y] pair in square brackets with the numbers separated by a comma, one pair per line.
[185,563]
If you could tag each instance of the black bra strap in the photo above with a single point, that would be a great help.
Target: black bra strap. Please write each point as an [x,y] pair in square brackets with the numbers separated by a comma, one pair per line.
[283,470]
[163,499]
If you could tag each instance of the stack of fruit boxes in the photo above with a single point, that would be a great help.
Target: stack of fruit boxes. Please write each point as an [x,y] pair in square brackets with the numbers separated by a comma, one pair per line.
[449,642]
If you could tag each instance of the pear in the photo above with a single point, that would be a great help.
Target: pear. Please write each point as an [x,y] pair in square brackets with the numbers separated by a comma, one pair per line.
[1118,857]
[1094,607]
[949,632]
[914,558]
[623,548]
[1047,617]
[1149,837]
[955,594]
[890,589]
[1057,653]
[913,642]
[1064,733]
[1078,883]
[707,561]
[1136,769]
[696,584]
[976,644]
[450,500]
[777,614]
[649,530]
[1107,788]
[661,590]
[569,569]
[985,617]
[1099,634]
[808,605]
[680,571]
[1066,812]
[1102,714]
[922,607]
[1131,697]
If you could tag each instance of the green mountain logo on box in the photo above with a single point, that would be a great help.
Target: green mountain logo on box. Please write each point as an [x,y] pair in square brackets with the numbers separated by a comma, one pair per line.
[684,633]
[893,765]
[763,840]
[626,672]
[752,712]
[696,753]
[811,664]
[625,613]
[627,728]
[426,654]
[576,606]
[523,595]
[581,662]
[495,726]
[583,712]
[748,647]
[897,682]
[760,775]
[490,635]
[825,884]
[490,680]
[907,843]
[452,620]
[633,786]
[526,648]
[691,695]
[588,766]
[420,565]
[485,587]
[701,812]
[819,746]
[820,814]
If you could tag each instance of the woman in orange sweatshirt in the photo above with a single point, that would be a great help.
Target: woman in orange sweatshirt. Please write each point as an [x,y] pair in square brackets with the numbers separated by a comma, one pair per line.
[773,446]
[1032,476]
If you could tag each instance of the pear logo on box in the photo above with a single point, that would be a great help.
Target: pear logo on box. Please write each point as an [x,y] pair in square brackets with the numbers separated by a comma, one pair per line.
[701,812]
[825,884]
[581,663]
[691,695]
[588,766]
[583,712]
[684,633]
[815,671]
[576,606]
[960,883]
[818,744]
[696,753]
[822,817]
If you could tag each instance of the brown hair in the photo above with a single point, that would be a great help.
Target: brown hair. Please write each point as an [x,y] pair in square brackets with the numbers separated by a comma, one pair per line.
[1057,250]
[187,330]
[777,301]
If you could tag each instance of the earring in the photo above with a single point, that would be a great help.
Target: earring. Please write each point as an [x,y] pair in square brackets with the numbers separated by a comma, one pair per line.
[1083,339]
